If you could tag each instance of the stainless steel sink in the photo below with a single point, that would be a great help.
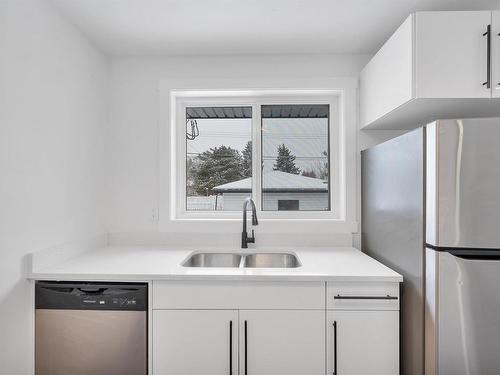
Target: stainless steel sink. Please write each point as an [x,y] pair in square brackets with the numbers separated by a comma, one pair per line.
[253,260]
[213,260]
[271,260]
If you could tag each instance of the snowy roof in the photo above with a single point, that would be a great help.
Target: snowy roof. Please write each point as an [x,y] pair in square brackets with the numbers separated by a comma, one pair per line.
[277,181]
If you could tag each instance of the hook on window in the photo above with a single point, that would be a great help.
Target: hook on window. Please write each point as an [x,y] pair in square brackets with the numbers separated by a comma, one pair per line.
[193,131]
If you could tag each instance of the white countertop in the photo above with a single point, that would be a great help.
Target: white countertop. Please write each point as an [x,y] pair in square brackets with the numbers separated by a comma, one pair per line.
[132,263]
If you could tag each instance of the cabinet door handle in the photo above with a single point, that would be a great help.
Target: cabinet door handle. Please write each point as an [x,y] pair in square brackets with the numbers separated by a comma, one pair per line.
[387,297]
[487,34]
[246,350]
[230,347]
[335,348]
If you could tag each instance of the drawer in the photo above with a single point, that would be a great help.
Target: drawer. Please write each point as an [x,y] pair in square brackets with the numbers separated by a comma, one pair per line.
[238,295]
[362,296]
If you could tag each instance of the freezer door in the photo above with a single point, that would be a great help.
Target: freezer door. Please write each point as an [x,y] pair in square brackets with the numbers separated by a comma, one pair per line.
[463,183]
[467,315]
[83,342]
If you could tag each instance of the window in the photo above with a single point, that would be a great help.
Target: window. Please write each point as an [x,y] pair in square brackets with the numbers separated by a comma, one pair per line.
[295,156]
[283,151]
[218,158]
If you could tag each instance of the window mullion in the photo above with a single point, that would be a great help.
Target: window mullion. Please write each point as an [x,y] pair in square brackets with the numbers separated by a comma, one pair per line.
[256,156]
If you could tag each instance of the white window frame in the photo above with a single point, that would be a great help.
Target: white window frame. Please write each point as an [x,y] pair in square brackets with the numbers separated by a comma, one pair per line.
[179,100]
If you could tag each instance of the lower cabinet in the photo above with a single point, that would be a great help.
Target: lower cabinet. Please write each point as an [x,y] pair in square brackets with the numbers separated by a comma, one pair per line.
[187,342]
[363,342]
[290,342]
[265,328]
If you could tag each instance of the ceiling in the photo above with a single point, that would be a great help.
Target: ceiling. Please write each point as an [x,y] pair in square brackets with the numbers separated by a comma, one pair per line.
[210,27]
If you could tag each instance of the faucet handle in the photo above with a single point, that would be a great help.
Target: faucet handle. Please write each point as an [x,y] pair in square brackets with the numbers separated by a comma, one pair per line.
[252,239]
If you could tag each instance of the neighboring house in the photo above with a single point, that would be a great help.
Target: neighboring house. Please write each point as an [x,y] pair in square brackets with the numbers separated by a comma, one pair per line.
[281,192]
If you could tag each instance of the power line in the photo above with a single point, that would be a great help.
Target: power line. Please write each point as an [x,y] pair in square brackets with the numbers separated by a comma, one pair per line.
[263,157]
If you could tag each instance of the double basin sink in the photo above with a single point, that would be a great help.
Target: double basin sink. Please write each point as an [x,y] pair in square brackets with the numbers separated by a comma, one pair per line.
[237,260]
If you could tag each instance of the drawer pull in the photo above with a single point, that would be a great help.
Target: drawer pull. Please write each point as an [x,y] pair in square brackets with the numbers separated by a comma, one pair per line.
[387,297]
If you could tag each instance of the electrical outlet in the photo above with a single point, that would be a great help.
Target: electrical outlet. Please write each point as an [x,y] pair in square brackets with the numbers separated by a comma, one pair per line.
[154,214]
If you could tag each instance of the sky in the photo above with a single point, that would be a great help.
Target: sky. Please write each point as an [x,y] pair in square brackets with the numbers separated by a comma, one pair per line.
[306,138]
[216,132]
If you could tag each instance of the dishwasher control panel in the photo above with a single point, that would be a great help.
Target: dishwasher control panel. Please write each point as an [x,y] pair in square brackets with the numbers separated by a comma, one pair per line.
[105,301]
[91,296]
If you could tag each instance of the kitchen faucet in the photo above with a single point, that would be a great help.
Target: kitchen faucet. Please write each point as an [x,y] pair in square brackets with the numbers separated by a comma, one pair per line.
[245,240]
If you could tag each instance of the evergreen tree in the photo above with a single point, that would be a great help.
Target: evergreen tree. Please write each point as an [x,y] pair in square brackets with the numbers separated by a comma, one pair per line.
[324,168]
[285,161]
[247,160]
[191,162]
[216,166]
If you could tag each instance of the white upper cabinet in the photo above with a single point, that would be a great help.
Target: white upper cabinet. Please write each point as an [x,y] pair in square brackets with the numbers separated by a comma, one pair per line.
[451,54]
[495,47]
[436,65]
[387,81]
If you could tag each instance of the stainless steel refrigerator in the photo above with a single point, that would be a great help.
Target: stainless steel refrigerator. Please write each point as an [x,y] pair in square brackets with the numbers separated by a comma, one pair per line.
[431,211]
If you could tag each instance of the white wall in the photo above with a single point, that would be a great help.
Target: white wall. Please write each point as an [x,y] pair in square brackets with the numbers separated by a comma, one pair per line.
[53,112]
[134,169]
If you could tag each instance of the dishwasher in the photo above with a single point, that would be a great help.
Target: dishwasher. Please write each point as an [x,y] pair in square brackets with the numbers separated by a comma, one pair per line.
[86,328]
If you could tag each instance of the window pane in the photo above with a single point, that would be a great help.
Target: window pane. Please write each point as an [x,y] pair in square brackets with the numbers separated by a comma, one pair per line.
[295,157]
[219,158]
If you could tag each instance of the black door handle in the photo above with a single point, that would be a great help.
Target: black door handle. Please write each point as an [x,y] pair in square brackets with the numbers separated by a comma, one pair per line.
[246,350]
[230,347]
[335,348]
[487,34]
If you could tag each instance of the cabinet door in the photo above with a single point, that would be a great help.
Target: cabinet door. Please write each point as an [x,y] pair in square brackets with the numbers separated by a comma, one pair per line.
[290,342]
[187,342]
[363,342]
[495,59]
[451,56]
